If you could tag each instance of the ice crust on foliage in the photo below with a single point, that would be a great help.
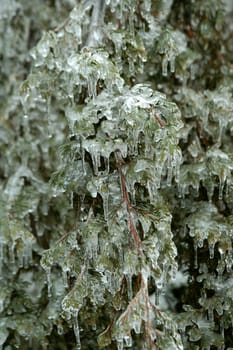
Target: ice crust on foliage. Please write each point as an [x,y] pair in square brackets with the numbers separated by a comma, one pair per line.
[117,175]
[117,121]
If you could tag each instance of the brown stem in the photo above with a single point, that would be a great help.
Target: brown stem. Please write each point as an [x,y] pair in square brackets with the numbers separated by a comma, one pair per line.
[62,25]
[126,199]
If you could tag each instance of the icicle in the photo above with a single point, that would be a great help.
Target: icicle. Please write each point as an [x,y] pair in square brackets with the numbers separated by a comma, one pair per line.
[157,296]
[200,243]
[131,66]
[131,22]
[132,191]
[210,314]
[71,116]
[64,277]
[134,146]
[24,98]
[82,151]
[211,250]
[50,126]
[195,256]
[76,328]
[229,263]
[173,271]
[120,344]
[28,254]
[49,283]
[129,287]
[159,285]
[151,190]
[106,163]
[221,265]
[192,72]
[95,156]
[21,260]
[169,175]
[164,66]
[91,86]
[26,127]
[222,180]
[109,279]
[177,173]
[1,258]
[105,197]
[12,253]
[117,39]
[147,6]
[136,325]
[2,305]
[60,330]
[210,190]
[191,231]
[172,64]
[72,200]
[121,16]
[122,147]
[128,341]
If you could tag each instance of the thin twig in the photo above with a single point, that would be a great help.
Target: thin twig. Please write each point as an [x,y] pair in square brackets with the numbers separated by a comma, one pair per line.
[62,25]
[126,199]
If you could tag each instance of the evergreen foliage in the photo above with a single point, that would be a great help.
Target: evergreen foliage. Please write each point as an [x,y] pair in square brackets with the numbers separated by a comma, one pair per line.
[116,201]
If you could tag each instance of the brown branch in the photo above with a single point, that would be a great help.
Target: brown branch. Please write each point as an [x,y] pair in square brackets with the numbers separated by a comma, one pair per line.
[161,122]
[143,291]
[126,199]
[131,305]
[62,25]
